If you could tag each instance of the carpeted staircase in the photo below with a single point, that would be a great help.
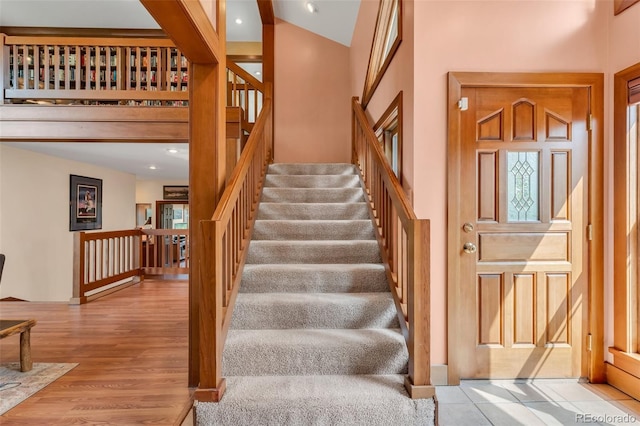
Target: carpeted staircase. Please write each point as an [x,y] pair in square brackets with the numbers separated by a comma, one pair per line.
[315,337]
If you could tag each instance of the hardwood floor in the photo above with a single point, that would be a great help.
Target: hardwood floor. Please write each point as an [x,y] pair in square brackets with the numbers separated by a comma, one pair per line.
[132,351]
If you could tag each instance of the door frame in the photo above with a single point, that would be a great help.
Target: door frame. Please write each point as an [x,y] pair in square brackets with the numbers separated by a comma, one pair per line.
[595,215]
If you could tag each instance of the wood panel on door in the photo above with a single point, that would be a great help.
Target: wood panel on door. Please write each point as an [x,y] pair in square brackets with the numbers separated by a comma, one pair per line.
[523,251]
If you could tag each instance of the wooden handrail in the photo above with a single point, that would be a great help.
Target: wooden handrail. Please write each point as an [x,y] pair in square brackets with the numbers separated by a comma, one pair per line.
[225,240]
[404,243]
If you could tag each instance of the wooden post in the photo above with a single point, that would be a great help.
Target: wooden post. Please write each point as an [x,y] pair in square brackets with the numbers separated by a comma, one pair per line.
[418,382]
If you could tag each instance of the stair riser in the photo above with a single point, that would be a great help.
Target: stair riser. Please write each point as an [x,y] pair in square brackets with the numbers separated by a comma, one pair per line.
[313,252]
[313,230]
[287,311]
[318,211]
[312,279]
[312,195]
[312,169]
[368,352]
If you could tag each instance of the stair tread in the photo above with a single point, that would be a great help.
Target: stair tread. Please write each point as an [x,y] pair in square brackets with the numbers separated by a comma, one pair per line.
[311,168]
[313,251]
[313,229]
[314,310]
[315,351]
[327,277]
[372,400]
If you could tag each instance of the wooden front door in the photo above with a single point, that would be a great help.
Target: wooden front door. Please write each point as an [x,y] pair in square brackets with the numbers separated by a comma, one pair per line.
[522,240]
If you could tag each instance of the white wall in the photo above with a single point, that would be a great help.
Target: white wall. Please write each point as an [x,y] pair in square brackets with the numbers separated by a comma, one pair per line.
[150,191]
[34,220]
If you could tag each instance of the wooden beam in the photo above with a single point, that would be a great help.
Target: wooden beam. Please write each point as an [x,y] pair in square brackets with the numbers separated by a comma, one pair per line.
[94,124]
[188,25]
[84,32]
[266,12]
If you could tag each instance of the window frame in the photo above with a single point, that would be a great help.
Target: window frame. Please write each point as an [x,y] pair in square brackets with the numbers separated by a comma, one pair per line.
[390,123]
[626,235]
[377,63]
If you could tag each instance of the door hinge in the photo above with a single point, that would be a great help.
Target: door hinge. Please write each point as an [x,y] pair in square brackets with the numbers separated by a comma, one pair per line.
[590,232]
[589,342]
[463,104]
[590,122]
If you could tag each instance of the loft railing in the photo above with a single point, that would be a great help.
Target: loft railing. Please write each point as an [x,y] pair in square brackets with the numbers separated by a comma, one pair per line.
[244,91]
[404,242]
[107,261]
[129,71]
[124,71]
[225,240]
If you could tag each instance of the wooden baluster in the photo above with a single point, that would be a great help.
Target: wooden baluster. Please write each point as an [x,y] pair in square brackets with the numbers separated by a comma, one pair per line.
[67,69]
[15,52]
[78,67]
[118,70]
[45,63]
[128,67]
[138,63]
[148,69]
[36,67]
[25,67]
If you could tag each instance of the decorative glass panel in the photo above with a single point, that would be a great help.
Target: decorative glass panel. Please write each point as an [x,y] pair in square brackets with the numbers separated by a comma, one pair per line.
[522,186]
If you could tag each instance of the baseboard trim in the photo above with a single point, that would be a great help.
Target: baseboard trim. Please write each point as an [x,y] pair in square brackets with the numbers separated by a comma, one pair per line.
[623,381]
[439,374]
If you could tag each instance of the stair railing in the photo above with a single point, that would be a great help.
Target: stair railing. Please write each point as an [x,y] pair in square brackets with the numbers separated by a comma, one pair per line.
[244,91]
[404,243]
[225,240]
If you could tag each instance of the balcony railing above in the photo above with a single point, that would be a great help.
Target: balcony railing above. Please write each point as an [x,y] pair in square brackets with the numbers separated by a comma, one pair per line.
[124,71]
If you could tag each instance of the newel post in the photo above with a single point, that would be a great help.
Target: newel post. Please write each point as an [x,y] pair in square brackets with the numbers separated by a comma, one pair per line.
[210,288]
[78,296]
[418,382]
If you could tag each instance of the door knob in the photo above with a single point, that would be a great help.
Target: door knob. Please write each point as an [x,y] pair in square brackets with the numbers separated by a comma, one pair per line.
[469,247]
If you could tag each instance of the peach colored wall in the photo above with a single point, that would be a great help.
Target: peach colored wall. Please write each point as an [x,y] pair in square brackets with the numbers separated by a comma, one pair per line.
[513,36]
[312,107]
[624,51]
[399,76]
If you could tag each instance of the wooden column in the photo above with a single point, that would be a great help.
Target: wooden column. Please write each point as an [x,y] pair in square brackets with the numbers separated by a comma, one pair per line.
[189,26]
[268,50]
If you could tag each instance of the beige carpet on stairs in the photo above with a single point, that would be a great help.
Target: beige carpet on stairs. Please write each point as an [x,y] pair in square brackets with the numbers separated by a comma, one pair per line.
[315,337]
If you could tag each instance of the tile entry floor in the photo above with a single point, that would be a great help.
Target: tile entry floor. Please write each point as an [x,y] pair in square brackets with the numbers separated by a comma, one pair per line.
[537,402]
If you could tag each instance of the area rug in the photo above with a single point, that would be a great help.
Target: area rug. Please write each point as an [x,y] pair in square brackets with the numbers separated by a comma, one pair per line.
[15,386]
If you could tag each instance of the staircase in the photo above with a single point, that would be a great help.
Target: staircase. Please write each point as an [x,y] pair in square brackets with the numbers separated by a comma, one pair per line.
[315,337]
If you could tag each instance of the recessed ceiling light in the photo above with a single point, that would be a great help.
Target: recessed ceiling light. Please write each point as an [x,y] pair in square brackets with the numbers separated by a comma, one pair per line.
[311,7]
[172,151]
[238,21]
[152,167]
[258,73]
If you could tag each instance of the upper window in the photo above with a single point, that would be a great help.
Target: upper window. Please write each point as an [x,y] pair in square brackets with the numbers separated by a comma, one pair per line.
[386,39]
[389,132]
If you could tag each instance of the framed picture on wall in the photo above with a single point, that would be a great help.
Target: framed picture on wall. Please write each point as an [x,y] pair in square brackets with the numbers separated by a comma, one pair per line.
[175,192]
[85,203]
